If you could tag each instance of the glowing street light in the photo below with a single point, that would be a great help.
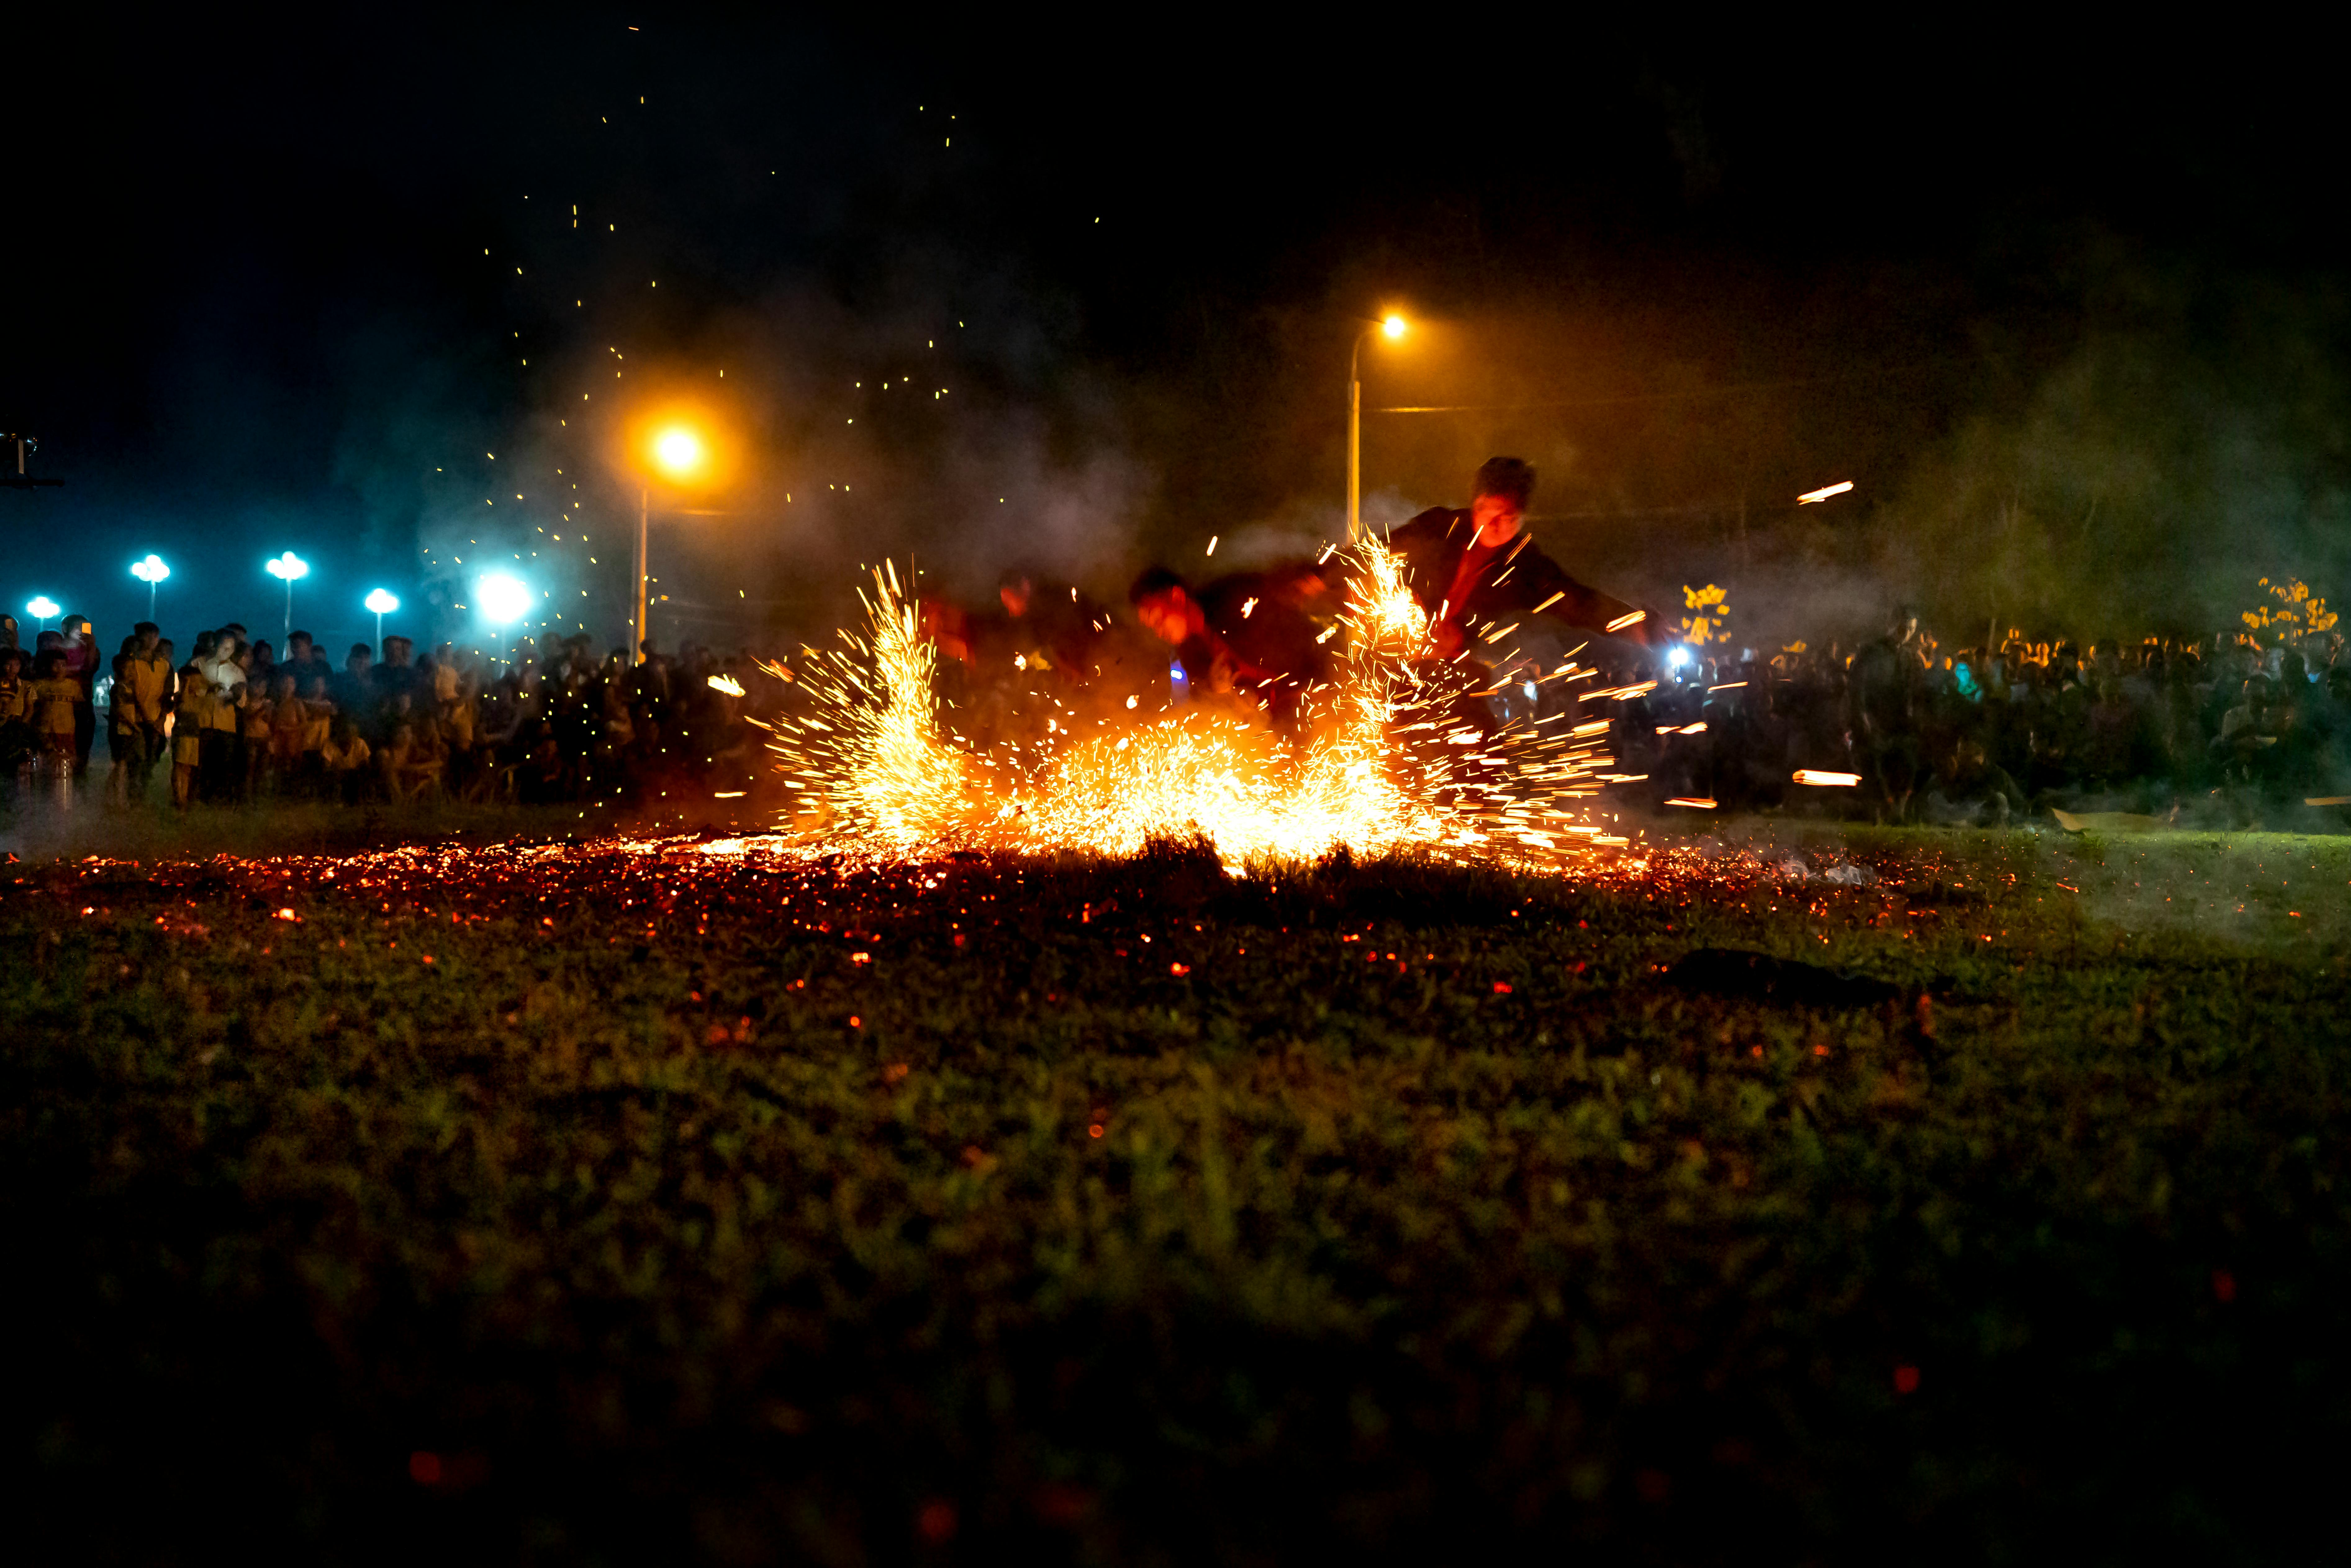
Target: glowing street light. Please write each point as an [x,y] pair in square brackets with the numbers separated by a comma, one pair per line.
[383,604]
[40,607]
[1392,326]
[150,571]
[502,600]
[680,453]
[288,566]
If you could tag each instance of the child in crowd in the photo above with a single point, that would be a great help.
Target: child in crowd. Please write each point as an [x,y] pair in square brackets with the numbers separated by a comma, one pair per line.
[256,727]
[190,722]
[287,717]
[346,757]
[56,693]
[317,724]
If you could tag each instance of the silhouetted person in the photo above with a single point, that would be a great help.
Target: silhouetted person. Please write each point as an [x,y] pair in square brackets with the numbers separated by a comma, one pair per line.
[1474,567]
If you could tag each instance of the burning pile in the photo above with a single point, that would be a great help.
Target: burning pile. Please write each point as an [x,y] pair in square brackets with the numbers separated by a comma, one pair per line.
[1390,758]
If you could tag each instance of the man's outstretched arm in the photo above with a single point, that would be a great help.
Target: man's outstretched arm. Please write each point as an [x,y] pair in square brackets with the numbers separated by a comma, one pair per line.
[1537,585]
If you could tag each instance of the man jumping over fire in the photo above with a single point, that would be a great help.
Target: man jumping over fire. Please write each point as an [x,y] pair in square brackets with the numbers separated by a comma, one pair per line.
[1469,569]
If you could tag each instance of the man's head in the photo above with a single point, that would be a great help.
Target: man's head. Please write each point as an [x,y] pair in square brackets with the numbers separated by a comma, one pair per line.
[148,635]
[358,660]
[1163,603]
[297,647]
[12,661]
[1505,485]
[397,651]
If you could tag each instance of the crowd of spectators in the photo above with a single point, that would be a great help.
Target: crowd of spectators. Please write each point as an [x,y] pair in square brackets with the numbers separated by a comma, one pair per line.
[236,721]
[2225,726]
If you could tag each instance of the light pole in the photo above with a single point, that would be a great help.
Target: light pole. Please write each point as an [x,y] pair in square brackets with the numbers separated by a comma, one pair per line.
[288,566]
[1393,325]
[383,604]
[150,571]
[40,607]
[679,452]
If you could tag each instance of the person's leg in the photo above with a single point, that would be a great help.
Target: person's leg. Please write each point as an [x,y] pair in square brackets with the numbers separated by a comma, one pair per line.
[58,757]
[150,743]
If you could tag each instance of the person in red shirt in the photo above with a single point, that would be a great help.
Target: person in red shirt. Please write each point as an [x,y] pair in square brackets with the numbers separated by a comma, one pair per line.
[1471,567]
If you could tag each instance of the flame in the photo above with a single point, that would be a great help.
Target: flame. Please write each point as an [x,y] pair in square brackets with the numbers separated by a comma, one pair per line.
[1387,760]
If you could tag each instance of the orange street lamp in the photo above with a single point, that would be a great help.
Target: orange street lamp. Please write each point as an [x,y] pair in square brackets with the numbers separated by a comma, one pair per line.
[679,452]
[1392,326]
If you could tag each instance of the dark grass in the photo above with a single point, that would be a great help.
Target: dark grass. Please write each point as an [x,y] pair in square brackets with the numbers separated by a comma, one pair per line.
[612,1210]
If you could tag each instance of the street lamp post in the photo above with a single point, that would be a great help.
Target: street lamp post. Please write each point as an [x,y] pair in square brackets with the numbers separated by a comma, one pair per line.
[644,525]
[150,571]
[1391,326]
[679,452]
[383,604]
[288,567]
[40,607]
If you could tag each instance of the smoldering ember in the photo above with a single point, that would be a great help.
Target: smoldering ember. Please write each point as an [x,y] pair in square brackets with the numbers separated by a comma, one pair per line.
[917,789]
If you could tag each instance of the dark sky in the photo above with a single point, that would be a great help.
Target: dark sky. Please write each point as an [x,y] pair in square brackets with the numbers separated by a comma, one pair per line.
[292,286]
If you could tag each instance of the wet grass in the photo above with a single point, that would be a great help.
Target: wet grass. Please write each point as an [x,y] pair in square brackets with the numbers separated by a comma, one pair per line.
[584,1204]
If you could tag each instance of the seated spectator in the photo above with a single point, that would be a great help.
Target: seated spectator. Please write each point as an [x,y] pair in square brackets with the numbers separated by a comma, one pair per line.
[347,759]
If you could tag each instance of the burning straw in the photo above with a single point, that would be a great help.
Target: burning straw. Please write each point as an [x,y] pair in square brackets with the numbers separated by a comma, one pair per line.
[1390,760]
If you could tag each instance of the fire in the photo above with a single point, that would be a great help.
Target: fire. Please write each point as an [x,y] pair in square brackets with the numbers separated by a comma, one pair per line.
[1386,761]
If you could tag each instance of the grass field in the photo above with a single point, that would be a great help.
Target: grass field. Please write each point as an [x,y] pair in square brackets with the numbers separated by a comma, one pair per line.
[680,1199]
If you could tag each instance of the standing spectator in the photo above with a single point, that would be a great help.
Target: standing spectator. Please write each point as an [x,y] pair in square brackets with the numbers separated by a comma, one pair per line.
[354,690]
[143,692]
[399,676]
[54,693]
[122,736]
[303,661]
[317,724]
[221,772]
[16,740]
[286,717]
[256,730]
[82,666]
[192,726]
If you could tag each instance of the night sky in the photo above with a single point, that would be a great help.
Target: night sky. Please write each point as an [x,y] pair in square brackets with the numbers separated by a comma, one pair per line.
[2068,310]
